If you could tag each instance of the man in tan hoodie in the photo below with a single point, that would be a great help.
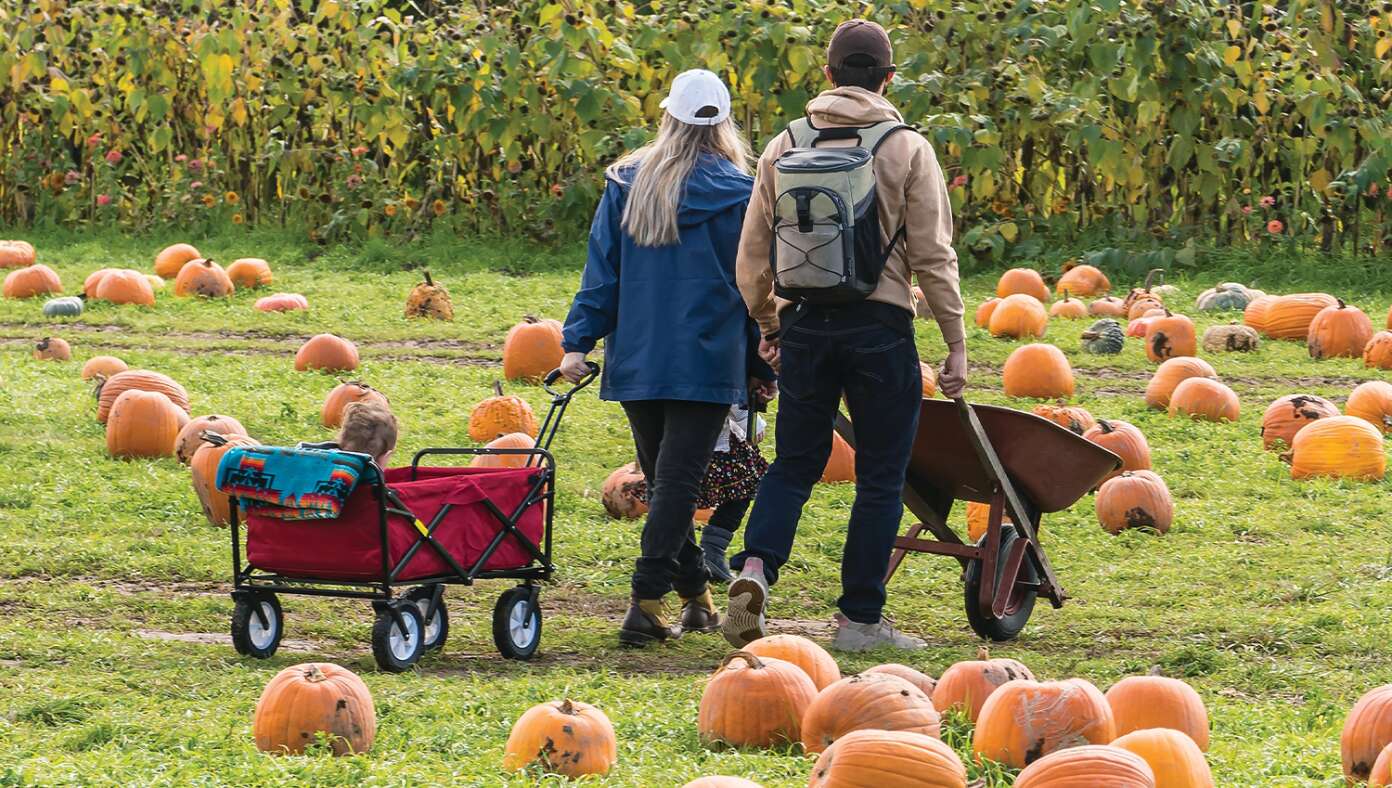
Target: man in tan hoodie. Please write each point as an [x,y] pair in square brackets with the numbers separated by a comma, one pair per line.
[864,350]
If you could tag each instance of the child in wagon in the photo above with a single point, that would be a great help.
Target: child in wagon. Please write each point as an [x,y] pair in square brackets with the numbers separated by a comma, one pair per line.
[369,428]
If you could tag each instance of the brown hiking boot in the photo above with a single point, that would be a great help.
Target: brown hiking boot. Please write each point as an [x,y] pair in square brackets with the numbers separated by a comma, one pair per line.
[645,623]
[698,613]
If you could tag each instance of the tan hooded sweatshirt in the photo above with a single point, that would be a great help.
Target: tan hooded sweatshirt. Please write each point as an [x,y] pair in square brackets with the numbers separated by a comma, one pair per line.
[911,192]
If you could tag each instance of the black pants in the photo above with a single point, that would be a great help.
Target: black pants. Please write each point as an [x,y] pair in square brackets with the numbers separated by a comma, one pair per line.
[826,353]
[675,440]
[729,515]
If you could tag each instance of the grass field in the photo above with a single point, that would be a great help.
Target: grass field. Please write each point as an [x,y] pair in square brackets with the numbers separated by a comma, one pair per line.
[1271,597]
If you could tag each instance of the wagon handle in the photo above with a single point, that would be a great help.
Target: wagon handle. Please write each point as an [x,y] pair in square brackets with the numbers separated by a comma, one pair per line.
[555,375]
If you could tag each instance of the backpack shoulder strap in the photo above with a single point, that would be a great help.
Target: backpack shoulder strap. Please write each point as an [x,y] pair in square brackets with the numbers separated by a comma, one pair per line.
[871,137]
[802,133]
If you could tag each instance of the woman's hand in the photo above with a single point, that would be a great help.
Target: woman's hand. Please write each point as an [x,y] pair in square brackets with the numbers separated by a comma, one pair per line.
[573,367]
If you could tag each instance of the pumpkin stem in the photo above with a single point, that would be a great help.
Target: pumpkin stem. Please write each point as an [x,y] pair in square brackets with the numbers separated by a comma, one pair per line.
[215,438]
[1065,294]
[1341,303]
[1091,335]
[428,281]
[1168,313]
[567,707]
[497,388]
[749,658]
[1155,670]
[1106,426]
[531,319]
[43,343]
[1150,277]
[983,653]
[313,674]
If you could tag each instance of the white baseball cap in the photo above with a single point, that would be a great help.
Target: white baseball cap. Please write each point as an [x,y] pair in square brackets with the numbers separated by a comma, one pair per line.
[699,98]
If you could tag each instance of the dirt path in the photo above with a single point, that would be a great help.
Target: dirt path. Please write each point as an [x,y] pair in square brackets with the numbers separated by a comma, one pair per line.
[287,351]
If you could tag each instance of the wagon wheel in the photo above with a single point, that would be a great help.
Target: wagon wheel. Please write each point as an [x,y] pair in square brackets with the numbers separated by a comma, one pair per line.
[436,626]
[517,624]
[1022,596]
[397,640]
[257,624]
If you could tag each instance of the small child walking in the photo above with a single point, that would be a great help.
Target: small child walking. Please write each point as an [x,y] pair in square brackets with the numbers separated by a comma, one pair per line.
[731,480]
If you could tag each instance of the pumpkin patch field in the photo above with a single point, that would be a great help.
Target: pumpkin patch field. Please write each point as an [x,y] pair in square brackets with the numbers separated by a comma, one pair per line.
[1241,556]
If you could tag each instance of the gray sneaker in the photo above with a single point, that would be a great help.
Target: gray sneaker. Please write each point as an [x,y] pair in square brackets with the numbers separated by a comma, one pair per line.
[853,636]
[744,623]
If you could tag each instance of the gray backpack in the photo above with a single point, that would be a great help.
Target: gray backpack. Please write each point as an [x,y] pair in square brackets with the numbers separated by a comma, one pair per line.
[826,221]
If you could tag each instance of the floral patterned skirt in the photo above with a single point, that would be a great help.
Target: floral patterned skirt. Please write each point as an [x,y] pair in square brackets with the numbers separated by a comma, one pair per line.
[731,476]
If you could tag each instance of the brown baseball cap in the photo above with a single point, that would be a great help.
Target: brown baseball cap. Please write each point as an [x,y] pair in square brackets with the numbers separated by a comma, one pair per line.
[860,37]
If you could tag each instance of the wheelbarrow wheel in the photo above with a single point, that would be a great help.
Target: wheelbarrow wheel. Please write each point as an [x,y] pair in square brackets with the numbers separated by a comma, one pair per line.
[517,624]
[1022,596]
[397,644]
[257,624]
[436,626]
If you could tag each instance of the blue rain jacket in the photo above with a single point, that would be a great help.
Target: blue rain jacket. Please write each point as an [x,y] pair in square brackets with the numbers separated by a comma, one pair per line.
[674,324]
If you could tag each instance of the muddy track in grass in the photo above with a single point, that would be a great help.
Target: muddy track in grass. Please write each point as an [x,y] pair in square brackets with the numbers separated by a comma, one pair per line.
[288,351]
[252,335]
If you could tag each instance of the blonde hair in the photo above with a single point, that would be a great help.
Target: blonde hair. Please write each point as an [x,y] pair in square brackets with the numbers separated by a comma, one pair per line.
[368,428]
[663,165]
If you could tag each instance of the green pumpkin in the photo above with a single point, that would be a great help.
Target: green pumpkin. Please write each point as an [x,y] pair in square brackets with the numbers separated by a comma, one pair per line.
[1227,297]
[1104,337]
[66,306]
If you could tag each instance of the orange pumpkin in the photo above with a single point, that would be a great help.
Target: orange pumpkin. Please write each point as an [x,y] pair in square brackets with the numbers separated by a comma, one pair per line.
[36,280]
[812,658]
[1088,766]
[1025,281]
[429,300]
[921,303]
[216,505]
[1146,291]
[1339,331]
[1254,315]
[249,272]
[1135,499]
[106,366]
[281,302]
[1038,370]
[1367,731]
[569,738]
[1170,336]
[16,254]
[1204,399]
[925,683]
[1340,447]
[89,285]
[511,440]
[1082,280]
[1289,317]
[52,349]
[979,519]
[172,258]
[840,465]
[108,389]
[124,286]
[1174,758]
[304,701]
[203,278]
[499,415]
[888,759]
[1372,402]
[1071,417]
[1381,775]
[1142,305]
[752,701]
[1123,439]
[1170,374]
[1286,415]
[143,424]
[984,312]
[1068,308]
[190,437]
[331,415]
[1107,306]
[1024,720]
[532,349]
[716,781]
[1140,702]
[967,684]
[1378,352]
[1018,316]
[867,701]
[328,353]
[621,493]
[930,379]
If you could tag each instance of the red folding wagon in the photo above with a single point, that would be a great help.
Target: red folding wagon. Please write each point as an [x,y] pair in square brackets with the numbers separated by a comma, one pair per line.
[414,529]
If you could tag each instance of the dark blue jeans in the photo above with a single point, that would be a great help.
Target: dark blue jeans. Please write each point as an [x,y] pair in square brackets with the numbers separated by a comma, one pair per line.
[826,353]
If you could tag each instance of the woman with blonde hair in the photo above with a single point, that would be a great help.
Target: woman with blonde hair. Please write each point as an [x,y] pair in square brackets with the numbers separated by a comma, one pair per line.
[680,349]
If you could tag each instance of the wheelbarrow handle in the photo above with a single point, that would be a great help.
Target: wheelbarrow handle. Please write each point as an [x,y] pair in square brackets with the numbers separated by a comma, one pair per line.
[555,375]
[976,434]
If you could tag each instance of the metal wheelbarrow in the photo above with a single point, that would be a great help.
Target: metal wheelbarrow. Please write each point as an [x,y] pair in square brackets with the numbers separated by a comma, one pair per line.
[1019,463]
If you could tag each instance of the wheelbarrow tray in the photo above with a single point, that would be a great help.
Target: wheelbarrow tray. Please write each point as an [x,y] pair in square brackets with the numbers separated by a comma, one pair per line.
[1048,464]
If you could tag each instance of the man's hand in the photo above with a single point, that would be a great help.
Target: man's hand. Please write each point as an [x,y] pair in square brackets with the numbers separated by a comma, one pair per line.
[764,391]
[770,353]
[573,367]
[953,377]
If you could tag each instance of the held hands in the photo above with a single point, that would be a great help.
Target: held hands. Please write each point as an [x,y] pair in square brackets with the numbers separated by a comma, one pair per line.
[573,367]
[953,377]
